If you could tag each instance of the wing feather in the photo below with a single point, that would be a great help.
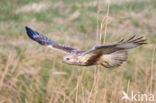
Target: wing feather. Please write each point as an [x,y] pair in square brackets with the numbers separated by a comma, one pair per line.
[121,45]
[43,40]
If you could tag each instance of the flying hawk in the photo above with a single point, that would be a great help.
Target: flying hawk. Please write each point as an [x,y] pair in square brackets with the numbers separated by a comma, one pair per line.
[107,55]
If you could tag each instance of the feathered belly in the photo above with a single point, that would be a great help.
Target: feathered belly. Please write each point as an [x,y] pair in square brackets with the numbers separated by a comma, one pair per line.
[88,60]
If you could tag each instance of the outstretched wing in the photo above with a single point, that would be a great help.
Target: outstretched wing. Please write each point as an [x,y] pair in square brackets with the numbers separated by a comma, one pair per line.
[121,45]
[46,41]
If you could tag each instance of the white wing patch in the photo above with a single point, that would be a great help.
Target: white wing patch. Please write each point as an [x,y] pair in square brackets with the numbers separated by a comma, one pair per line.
[51,46]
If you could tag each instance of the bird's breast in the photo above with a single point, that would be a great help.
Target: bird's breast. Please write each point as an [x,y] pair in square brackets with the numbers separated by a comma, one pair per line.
[88,60]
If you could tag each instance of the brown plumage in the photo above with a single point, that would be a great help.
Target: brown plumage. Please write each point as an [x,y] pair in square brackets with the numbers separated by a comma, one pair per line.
[107,55]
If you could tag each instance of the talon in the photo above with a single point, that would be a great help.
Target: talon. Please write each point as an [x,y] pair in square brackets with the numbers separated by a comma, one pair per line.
[104,63]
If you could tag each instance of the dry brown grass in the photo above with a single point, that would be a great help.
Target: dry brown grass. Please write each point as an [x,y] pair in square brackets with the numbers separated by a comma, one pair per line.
[30,73]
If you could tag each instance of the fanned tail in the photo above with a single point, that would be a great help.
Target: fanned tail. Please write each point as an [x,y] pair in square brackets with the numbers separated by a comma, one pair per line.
[114,59]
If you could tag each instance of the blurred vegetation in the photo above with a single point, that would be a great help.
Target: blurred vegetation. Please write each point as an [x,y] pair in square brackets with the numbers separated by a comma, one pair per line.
[30,73]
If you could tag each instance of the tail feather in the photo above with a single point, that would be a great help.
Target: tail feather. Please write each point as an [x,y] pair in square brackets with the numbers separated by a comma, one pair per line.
[114,59]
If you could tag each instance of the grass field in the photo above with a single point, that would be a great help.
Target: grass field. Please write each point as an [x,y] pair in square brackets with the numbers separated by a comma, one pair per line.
[30,73]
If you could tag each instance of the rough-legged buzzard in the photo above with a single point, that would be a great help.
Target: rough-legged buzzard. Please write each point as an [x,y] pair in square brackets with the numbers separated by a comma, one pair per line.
[107,55]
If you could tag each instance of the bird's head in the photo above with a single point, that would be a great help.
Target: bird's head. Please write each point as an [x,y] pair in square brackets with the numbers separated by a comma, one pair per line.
[69,59]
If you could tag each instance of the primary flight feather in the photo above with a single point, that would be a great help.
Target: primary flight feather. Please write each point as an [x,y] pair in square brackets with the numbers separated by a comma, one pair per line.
[107,55]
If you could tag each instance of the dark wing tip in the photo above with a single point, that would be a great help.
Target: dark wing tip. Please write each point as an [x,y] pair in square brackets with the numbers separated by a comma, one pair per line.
[27,28]
[38,37]
[138,40]
[31,33]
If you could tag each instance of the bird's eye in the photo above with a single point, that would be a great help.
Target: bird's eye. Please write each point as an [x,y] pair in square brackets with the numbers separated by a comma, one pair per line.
[67,58]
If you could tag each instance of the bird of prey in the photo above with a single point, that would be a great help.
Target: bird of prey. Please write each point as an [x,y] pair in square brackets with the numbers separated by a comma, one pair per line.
[112,55]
